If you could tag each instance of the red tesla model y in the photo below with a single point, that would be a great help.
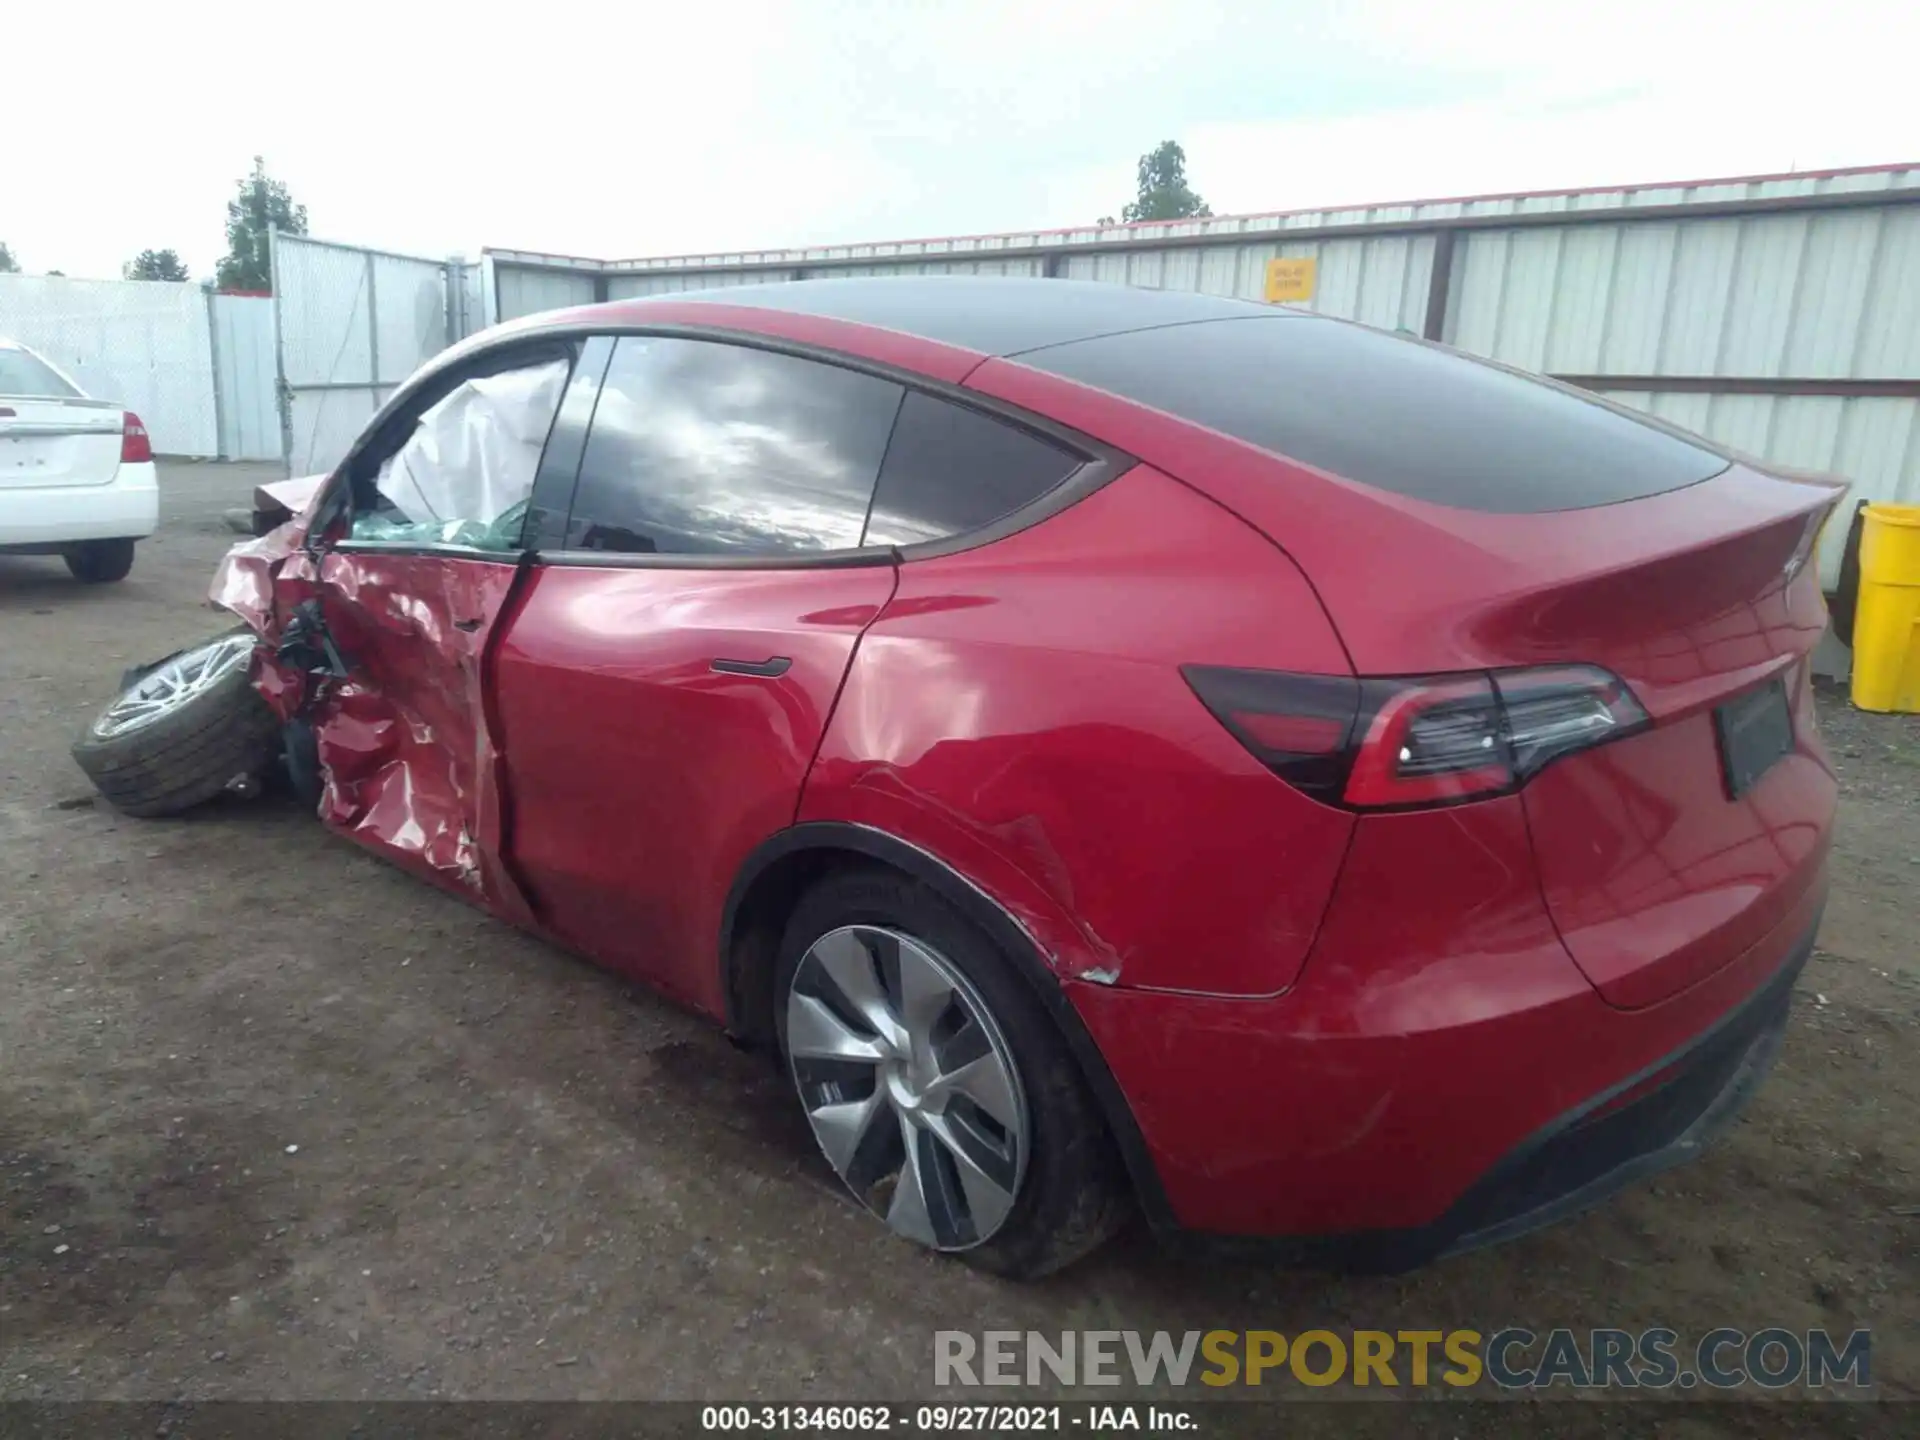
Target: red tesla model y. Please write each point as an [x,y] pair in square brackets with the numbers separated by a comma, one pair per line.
[1117,748]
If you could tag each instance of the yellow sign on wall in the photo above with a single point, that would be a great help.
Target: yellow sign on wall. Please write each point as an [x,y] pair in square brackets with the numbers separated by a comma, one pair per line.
[1289,280]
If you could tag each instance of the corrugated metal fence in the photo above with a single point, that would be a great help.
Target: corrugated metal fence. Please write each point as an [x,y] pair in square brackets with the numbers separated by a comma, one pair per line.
[1778,315]
[353,323]
[1792,335]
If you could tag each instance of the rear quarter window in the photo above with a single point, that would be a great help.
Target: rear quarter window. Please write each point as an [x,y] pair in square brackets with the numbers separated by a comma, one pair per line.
[1389,412]
[25,374]
[950,470]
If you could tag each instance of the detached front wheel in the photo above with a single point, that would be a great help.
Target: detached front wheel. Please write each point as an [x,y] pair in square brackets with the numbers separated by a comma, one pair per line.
[182,731]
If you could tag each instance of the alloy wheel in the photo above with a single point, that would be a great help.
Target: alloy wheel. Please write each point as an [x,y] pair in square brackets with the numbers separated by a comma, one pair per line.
[172,684]
[909,1085]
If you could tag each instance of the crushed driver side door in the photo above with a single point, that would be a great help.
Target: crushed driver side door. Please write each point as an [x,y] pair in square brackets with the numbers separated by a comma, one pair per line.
[391,613]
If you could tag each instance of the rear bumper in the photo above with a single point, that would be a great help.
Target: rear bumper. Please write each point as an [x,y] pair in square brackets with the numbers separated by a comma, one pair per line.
[126,508]
[1383,1119]
[1647,1123]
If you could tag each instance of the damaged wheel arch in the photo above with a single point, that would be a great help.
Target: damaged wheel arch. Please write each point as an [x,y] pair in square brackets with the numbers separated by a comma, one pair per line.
[771,884]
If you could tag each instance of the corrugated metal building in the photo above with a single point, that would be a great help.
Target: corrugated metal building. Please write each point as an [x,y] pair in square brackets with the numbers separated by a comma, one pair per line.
[1778,315]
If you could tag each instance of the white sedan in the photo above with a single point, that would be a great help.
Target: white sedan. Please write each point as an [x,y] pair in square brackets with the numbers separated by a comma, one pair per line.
[76,474]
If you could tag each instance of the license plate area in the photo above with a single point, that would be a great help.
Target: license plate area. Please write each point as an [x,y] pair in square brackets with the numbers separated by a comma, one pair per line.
[1754,731]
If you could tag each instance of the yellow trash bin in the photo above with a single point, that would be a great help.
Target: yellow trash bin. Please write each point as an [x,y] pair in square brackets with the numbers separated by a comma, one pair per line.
[1886,623]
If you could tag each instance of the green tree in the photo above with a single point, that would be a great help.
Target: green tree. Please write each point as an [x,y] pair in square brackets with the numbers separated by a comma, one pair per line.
[1164,192]
[260,203]
[8,265]
[155,265]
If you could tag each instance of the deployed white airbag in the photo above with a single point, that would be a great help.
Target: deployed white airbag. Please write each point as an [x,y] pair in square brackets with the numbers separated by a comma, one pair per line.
[472,456]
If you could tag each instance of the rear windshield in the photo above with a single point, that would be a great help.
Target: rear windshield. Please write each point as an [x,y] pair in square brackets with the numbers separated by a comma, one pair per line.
[24,374]
[1389,412]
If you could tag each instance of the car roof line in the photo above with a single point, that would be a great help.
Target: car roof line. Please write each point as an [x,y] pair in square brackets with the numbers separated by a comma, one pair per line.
[1142,329]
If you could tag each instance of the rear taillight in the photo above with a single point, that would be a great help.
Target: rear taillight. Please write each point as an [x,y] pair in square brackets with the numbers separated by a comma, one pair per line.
[1429,740]
[1808,542]
[1426,743]
[134,444]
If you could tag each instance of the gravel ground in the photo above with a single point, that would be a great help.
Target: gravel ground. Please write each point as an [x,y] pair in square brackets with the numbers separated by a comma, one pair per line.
[279,1122]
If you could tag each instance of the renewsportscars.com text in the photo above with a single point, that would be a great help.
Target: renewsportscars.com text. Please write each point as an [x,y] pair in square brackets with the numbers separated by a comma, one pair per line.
[1512,1358]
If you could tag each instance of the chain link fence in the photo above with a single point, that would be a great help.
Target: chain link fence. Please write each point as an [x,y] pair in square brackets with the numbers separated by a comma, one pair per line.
[145,344]
[354,323]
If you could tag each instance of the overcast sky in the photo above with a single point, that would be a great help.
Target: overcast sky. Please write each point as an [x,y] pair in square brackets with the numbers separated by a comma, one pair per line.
[663,129]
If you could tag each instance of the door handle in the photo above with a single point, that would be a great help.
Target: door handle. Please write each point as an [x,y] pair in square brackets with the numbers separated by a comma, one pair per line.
[778,665]
[468,625]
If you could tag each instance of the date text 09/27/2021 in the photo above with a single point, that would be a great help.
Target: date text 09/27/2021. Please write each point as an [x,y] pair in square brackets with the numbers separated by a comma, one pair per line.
[962,1419]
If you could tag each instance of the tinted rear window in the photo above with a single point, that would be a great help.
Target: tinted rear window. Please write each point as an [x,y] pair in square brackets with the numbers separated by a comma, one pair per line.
[24,374]
[1390,412]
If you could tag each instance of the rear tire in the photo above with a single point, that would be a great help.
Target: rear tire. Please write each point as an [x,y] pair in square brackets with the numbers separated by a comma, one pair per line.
[189,752]
[98,562]
[1071,1194]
